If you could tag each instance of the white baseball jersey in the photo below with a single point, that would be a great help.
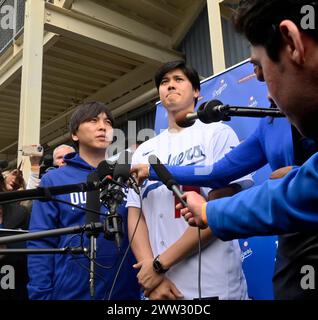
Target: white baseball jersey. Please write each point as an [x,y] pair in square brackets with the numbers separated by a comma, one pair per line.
[221,269]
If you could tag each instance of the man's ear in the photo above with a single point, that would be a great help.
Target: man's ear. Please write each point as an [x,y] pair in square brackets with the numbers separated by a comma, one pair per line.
[74,137]
[293,40]
[196,93]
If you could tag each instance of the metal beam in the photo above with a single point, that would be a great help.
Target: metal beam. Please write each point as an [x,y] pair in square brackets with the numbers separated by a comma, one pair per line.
[226,11]
[31,82]
[130,80]
[67,4]
[140,97]
[120,22]
[164,10]
[216,35]
[188,19]
[87,30]
[11,69]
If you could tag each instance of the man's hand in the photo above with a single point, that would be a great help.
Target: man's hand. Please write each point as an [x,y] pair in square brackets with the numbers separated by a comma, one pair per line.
[147,277]
[35,160]
[166,290]
[140,172]
[280,173]
[192,213]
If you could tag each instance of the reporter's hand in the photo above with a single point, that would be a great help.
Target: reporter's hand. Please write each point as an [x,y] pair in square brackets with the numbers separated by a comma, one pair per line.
[140,172]
[192,213]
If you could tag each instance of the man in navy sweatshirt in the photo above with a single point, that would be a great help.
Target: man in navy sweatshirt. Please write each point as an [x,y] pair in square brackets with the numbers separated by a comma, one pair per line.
[66,276]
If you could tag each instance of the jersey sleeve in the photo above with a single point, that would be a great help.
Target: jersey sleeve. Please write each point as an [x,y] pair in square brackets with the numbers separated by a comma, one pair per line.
[245,158]
[225,141]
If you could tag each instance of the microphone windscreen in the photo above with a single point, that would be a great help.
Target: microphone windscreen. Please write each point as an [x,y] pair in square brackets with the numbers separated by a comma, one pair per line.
[210,104]
[161,171]
[207,113]
[104,169]
[121,171]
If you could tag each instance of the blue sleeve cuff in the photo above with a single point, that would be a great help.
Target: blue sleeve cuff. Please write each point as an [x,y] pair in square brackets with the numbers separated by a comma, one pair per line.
[152,174]
[215,219]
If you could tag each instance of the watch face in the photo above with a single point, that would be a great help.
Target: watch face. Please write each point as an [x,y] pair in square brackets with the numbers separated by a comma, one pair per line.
[157,265]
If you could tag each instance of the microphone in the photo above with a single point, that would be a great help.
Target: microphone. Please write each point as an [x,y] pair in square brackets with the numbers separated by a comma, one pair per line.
[166,177]
[92,202]
[45,193]
[114,195]
[215,110]
[104,171]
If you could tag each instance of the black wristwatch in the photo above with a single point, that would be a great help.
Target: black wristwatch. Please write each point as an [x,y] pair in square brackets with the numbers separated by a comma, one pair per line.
[157,266]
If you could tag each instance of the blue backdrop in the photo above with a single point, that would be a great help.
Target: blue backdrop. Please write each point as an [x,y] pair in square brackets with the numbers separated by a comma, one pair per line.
[239,86]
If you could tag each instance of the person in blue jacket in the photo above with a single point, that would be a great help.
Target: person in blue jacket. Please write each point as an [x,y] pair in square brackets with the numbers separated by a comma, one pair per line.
[66,276]
[286,50]
[252,154]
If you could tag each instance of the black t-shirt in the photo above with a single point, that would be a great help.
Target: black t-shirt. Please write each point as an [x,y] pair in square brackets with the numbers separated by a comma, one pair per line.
[297,249]
[16,216]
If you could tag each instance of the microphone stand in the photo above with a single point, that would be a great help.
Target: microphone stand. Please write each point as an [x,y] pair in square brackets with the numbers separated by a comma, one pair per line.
[65,250]
[217,113]
[92,202]
[112,226]
[52,233]
[92,228]
[92,269]
[112,197]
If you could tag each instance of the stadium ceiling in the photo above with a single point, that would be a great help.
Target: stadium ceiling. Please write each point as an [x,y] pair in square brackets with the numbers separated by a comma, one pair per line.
[105,50]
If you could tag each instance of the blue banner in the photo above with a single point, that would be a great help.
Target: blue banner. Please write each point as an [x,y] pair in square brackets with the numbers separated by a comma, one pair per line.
[238,86]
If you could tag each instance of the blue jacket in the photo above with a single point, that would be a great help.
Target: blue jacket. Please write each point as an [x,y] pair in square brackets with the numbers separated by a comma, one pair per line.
[277,206]
[270,143]
[63,277]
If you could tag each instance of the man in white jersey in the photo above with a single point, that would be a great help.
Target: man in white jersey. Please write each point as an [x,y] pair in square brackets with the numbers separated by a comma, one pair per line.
[164,245]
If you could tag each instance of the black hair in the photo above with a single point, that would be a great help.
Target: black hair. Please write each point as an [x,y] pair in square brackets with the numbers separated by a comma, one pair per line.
[189,72]
[85,112]
[259,21]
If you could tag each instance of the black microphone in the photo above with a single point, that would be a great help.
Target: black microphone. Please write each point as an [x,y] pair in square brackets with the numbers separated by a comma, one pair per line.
[126,158]
[92,202]
[166,177]
[215,110]
[105,170]
[114,196]
[45,193]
